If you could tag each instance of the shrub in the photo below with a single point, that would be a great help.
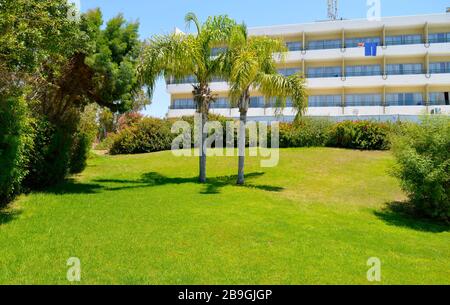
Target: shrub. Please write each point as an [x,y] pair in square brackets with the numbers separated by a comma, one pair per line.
[129,119]
[80,152]
[365,135]
[83,139]
[15,139]
[106,143]
[148,135]
[423,166]
[306,132]
[50,156]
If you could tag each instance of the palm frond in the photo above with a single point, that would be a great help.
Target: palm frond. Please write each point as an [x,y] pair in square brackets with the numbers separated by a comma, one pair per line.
[281,88]
[175,55]
[192,18]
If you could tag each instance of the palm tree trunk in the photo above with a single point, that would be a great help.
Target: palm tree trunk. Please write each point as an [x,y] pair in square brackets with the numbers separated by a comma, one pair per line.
[243,108]
[241,147]
[202,157]
[202,96]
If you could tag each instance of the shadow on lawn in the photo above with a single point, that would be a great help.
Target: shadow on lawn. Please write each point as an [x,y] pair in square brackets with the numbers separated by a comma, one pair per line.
[402,214]
[212,185]
[8,215]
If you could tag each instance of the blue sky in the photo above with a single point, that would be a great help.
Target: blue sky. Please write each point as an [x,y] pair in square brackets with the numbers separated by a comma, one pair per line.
[162,16]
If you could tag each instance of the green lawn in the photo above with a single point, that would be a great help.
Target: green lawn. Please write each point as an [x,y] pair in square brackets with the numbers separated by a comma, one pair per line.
[143,219]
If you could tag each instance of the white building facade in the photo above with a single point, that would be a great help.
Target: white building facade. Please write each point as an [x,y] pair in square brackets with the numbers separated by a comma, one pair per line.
[408,77]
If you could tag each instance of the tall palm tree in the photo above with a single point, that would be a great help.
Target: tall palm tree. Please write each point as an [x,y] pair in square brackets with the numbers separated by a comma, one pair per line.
[251,64]
[178,56]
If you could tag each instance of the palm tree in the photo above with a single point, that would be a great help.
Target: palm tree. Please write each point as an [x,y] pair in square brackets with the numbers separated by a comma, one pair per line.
[178,56]
[251,65]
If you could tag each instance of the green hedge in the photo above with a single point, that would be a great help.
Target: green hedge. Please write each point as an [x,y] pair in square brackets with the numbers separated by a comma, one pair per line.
[423,165]
[148,135]
[50,157]
[83,140]
[365,135]
[15,139]
[305,132]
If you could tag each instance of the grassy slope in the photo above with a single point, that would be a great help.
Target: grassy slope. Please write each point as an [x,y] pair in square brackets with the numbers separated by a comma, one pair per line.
[316,218]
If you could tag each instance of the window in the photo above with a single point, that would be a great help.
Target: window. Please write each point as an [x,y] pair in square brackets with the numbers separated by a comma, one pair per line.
[324,44]
[325,101]
[220,103]
[289,102]
[439,37]
[353,100]
[437,98]
[404,99]
[363,70]
[217,79]
[218,51]
[183,104]
[257,102]
[403,39]
[354,42]
[186,80]
[289,71]
[440,67]
[400,69]
[294,45]
[324,72]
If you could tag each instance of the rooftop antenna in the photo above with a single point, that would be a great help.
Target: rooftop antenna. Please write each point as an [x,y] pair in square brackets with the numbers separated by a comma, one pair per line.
[332,9]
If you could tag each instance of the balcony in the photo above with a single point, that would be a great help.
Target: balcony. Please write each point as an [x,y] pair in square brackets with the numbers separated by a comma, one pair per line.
[406,72]
[362,73]
[324,75]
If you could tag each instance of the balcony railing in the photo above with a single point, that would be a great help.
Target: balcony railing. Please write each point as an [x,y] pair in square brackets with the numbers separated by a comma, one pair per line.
[323,74]
[362,73]
[323,45]
[405,103]
[190,80]
[439,71]
[406,72]
[439,40]
[180,107]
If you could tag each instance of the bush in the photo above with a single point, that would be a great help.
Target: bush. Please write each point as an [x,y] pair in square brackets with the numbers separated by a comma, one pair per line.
[423,166]
[148,135]
[83,139]
[80,152]
[15,139]
[106,143]
[50,156]
[306,132]
[129,119]
[365,135]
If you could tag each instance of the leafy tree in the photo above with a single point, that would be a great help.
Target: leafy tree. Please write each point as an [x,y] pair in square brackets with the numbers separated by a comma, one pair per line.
[30,31]
[250,65]
[114,60]
[104,72]
[182,55]
[61,66]
[422,153]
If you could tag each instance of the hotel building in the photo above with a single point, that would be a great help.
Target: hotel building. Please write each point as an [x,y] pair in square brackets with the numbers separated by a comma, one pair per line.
[409,76]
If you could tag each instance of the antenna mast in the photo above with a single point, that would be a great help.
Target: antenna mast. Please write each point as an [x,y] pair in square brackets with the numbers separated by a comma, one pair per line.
[332,9]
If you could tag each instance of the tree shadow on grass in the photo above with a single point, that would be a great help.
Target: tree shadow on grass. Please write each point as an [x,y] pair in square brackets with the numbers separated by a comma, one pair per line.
[403,214]
[152,179]
[70,186]
[212,185]
[8,215]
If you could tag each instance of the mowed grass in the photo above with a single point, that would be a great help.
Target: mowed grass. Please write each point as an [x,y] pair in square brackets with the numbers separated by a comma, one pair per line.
[316,218]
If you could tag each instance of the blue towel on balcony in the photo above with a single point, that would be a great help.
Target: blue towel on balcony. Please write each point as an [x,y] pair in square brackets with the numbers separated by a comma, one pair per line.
[371,48]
